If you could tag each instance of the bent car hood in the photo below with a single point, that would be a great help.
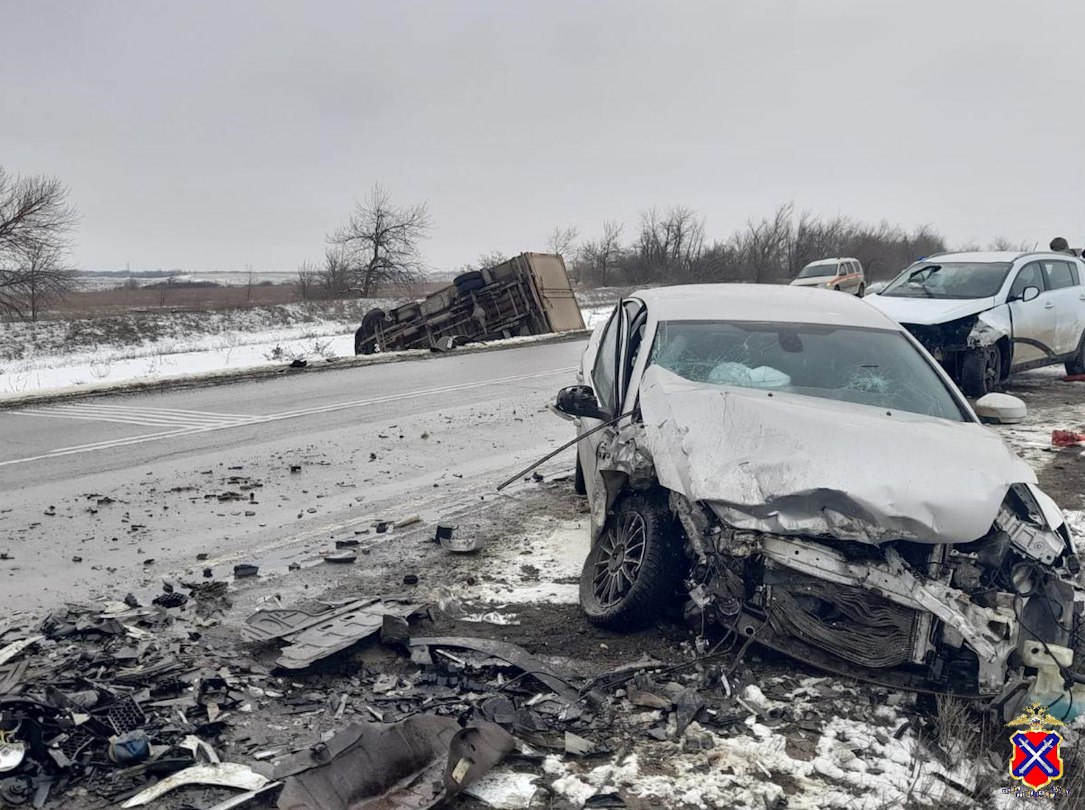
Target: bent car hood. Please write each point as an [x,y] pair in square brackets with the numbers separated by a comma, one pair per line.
[927,311]
[791,464]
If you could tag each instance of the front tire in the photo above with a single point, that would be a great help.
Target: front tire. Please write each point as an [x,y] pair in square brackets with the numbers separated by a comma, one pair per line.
[633,571]
[981,370]
[862,291]
[1077,364]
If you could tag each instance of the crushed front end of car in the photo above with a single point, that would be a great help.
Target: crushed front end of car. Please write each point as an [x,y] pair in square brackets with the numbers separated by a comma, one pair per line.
[899,549]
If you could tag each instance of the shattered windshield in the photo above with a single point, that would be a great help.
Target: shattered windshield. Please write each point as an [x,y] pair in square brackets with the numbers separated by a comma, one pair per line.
[812,270]
[949,280]
[867,366]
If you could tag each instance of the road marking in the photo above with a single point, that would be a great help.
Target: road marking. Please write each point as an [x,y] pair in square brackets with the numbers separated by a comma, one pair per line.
[185,422]
[170,417]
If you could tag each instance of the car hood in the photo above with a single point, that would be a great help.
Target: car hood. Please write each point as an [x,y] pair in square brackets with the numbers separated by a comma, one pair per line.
[927,311]
[790,464]
[813,281]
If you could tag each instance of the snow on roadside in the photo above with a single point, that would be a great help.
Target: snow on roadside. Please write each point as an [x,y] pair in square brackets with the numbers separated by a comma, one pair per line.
[859,759]
[216,342]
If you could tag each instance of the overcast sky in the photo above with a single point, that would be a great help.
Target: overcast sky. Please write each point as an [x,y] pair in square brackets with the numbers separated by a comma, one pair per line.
[210,135]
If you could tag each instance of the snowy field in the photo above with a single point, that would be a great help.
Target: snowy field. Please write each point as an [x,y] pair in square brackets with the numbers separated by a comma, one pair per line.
[203,343]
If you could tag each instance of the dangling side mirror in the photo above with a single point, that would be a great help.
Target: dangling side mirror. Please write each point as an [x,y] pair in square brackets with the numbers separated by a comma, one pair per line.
[579,401]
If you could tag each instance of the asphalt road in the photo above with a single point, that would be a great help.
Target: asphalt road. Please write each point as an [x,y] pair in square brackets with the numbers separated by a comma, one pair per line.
[103,495]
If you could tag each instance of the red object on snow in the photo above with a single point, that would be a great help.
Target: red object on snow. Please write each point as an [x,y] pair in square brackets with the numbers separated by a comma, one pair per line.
[1066,438]
[1074,378]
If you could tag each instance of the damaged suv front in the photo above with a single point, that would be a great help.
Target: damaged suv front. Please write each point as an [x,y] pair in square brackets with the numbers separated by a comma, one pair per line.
[986,315]
[821,488]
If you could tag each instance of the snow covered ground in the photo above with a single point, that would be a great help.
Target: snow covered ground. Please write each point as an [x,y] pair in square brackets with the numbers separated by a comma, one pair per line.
[218,342]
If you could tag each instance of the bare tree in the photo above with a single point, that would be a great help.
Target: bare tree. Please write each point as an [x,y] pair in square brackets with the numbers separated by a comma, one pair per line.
[764,245]
[44,277]
[336,276]
[668,245]
[599,257]
[35,220]
[307,281]
[562,241]
[33,211]
[484,261]
[381,242]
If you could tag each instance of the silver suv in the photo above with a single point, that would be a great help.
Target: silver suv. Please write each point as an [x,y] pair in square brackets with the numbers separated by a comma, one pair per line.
[986,315]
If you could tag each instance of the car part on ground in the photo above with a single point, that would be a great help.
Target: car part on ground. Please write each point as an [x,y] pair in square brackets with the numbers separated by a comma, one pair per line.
[526,295]
[412,765]
[222,774]
[312,636]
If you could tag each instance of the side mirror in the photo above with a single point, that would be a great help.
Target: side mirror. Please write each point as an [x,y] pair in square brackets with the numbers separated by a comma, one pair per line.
[579,400]
[1001,409]
[1029,294]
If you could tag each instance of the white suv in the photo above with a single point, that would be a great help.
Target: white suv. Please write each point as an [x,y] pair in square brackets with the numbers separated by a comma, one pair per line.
[986,315]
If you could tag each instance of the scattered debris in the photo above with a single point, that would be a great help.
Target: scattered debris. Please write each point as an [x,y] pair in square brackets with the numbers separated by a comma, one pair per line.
[1067,438]
[312,636]
[414,764]
[245,570]
[222,774]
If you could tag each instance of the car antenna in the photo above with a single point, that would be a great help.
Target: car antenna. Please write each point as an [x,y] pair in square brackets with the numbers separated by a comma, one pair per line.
[550,455]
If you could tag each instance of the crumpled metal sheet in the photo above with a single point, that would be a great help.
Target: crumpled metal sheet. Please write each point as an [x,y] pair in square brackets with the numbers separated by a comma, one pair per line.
[411,765]
[222,774]
[312,636]
[517,656]
[799,465]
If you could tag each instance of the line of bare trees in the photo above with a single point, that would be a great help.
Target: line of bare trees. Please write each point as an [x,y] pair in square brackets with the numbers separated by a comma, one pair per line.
[670,246]
[36,221]
[377,249]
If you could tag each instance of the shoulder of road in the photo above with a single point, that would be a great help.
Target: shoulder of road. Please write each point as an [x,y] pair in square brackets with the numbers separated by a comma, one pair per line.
[228,376]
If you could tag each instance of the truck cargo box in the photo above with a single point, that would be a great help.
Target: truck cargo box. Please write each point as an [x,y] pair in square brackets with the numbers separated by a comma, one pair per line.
[526,295]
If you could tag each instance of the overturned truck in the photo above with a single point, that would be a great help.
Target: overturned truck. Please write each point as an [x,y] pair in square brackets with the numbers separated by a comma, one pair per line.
[526,295]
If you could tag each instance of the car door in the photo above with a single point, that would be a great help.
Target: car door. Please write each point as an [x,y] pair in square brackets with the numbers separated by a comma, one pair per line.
[1065,290]
[601,373]
[611,379]
[1034,321]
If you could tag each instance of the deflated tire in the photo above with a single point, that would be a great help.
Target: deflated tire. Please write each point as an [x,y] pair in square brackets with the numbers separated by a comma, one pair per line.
[635,568]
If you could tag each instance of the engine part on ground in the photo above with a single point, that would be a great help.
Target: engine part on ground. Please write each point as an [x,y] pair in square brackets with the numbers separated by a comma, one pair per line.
[411,765]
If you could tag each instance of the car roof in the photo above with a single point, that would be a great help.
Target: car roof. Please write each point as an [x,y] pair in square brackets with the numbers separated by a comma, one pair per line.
[832,261]
[982,256]
[770,303]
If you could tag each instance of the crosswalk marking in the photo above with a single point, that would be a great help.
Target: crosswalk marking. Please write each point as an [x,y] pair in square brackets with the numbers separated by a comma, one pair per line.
[147,417]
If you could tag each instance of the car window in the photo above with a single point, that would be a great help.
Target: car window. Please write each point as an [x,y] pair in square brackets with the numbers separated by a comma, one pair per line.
[873,367]
[637,318]
[949,279]
[812,270]
[604,373]
[1059,275]
[1031,275]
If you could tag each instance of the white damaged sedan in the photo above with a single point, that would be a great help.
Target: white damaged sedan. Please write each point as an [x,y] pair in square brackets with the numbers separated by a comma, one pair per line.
[802,472]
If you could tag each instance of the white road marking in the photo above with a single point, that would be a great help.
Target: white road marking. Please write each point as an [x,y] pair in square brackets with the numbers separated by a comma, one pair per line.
[188,423]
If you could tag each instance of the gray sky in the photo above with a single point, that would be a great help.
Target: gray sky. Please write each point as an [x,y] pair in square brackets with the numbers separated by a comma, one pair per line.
[208,135]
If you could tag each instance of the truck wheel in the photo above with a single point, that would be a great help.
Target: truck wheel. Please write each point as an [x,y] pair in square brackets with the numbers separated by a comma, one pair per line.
[981,370]
[862,290]
[469,282]
[1077,364]
[633,572]
[365,339]
[579,487]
